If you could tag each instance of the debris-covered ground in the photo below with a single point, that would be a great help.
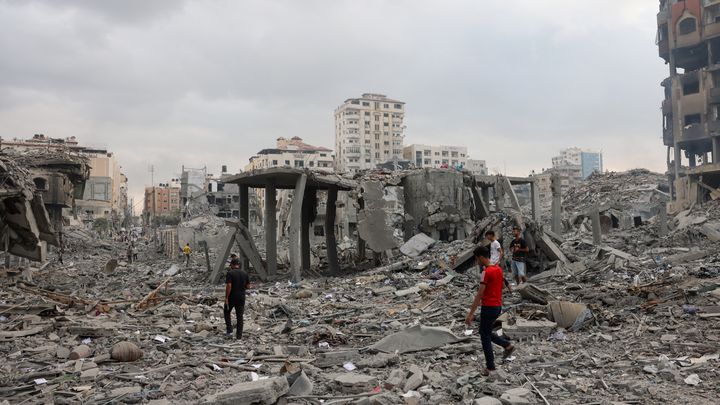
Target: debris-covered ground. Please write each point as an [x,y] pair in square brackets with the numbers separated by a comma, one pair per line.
[633,321]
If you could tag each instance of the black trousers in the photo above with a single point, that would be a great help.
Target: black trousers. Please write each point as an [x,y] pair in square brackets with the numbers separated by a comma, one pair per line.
[488,316]
[239,306]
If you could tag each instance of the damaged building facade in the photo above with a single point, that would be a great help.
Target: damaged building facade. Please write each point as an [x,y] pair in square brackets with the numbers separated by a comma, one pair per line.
[688,41]
[105,191]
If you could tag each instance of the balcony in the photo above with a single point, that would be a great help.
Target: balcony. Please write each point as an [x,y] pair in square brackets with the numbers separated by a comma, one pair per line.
[664,49]
[663,16]
[711,30]
[667,106]
[668,138]
[693,132]
[714,95]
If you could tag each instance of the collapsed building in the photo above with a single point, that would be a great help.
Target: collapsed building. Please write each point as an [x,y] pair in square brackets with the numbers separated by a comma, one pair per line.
[36,187]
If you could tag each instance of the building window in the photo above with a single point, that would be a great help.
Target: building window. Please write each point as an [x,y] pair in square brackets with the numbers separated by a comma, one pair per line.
[355,102]
[398,106]
[40,183]
[366,104]
[287,163]
[687,26]
[692,119]
[367,113]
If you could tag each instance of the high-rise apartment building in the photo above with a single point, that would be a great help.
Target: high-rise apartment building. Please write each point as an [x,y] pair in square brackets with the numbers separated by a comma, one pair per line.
[688,39]
[368,131]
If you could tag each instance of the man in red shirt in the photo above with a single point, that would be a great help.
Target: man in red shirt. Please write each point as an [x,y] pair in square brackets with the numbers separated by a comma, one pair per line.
[489,298]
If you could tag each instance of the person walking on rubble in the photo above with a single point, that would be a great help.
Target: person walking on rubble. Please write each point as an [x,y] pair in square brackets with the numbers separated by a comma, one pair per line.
[186,251]
[489,299]
[129,254]
[236,283]
[519,249]
[134,249]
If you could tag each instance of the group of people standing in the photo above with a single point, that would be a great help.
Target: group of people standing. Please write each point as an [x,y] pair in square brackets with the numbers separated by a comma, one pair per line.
[489,295]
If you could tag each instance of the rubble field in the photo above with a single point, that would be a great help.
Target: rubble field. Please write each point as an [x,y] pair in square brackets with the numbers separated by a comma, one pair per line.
[633,320]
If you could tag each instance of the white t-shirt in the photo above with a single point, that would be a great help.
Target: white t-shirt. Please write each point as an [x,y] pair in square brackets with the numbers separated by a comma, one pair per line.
[495,252]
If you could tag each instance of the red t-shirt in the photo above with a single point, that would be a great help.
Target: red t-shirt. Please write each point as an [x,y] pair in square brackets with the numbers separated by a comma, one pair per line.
[492,277]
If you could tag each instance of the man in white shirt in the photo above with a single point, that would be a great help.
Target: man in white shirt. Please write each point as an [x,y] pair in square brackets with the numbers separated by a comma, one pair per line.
[496,250]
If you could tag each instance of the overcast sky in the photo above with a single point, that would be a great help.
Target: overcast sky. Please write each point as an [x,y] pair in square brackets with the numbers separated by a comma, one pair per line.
[205,83]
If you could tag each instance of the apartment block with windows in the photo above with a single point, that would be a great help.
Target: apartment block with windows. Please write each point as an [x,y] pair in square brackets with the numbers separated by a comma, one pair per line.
[369,130]
[688,40]
[436,156]
[161,200]
[293,152]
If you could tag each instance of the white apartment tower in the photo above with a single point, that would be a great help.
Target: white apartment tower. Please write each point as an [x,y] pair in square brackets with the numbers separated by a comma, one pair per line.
[368,131]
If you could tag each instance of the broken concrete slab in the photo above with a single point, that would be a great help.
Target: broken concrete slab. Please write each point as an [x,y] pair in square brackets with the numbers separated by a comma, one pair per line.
[534,294]
[416,338]
[518,396]
[417,245]
[568,315]
[266,391]
[335,358]
[300,384]
[681,258]
[353,383]
[487,401]
[524,328]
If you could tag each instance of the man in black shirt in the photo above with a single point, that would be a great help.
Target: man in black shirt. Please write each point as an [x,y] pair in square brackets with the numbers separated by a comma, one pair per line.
[519,249]
[236,282]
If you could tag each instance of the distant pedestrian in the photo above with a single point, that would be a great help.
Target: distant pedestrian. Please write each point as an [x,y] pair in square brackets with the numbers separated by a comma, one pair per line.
[519,249]
[236,283]
[134,250]
[489,299]
[186,251]
[129,254]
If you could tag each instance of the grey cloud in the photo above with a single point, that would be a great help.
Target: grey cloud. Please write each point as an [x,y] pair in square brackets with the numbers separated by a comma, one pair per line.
[212,82]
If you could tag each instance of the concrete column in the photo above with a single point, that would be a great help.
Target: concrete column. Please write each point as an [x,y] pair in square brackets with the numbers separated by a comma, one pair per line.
[678,159]
[597,232]
[361,241]
[485,192]
[716,149]
[295,228]
[556,202]
[499,195]
[535,201]
[662,220]
[307,207]
[330,241]
[692,160]
[245,218]
[271,227]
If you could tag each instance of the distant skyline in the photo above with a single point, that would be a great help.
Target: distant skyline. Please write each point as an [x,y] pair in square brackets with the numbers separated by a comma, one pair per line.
[171,83]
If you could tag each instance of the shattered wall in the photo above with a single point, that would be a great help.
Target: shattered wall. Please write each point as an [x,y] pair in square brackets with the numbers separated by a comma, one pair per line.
[438,204]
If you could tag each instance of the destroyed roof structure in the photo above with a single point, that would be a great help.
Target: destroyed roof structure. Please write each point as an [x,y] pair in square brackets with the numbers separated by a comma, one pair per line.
[24,223]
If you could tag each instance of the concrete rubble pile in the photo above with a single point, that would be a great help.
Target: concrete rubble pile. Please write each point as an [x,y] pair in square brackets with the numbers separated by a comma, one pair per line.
[632,320]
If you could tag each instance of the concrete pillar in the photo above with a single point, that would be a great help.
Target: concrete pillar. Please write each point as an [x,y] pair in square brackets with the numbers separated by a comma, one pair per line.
[556,202]
[692,160]
[245,217]
[330,241]
[361,242]
[597,232]
[295,227]
[485,192]
[309,202]
[662,220]
[499,195]
[716,149]
[535,201]
[271,227]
